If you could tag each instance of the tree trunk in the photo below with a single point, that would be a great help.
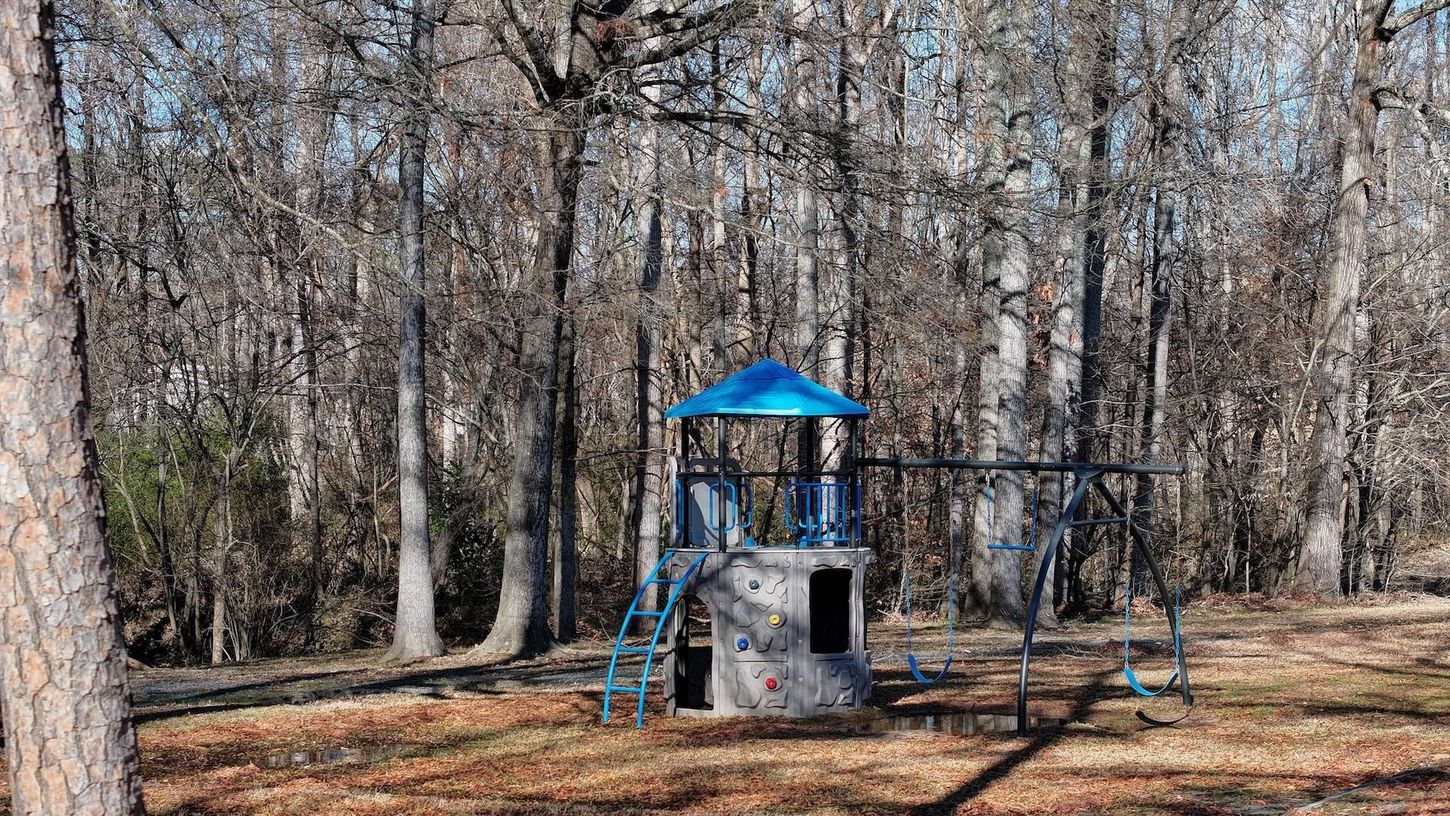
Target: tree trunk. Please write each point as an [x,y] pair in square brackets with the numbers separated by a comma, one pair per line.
[649,468]
[566,547]
[220,556]
[803,98]
[521,626]
[1005,264]
[415,634]
[69,742]
[1321,553]
[1165,114]
[754,207]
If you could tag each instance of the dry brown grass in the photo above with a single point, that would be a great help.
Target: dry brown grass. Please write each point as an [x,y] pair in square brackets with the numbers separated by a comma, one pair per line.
[1296,703]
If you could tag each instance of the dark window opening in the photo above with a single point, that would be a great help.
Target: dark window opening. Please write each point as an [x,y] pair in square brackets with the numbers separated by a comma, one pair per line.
[830,611]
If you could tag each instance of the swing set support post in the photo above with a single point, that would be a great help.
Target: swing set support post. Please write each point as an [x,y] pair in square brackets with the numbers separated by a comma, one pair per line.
[1085,479]
[1090,478]
[1087,476]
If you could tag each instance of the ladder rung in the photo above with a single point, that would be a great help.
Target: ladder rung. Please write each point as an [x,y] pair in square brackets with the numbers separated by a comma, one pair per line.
[626,689]
[1017,547]
[663,581]
[635,649]
[646,613]
[1088,522]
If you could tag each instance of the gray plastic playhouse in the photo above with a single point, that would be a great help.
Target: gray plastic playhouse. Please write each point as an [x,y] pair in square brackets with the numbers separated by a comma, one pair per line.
[750,626]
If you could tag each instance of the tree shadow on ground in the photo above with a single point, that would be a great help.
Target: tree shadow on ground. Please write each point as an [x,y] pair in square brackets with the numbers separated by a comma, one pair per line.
[1036,743]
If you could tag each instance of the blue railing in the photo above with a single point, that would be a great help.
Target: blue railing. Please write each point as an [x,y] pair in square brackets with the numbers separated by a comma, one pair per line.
[823,513]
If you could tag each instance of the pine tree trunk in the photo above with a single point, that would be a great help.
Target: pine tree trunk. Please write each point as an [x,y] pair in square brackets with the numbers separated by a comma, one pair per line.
[415,634]
[69,741]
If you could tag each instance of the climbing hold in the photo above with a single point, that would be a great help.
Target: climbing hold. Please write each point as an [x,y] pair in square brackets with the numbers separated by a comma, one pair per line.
[771,684]
[775,619]
[741,644]
[754,584]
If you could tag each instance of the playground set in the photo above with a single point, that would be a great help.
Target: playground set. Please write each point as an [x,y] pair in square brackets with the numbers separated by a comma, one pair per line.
[786,631]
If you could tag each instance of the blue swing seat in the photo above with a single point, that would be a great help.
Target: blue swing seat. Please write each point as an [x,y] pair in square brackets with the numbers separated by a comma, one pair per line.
[1128,673]
[911,661]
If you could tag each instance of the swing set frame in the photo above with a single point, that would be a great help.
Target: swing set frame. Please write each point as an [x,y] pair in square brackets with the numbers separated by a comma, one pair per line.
[1087,476]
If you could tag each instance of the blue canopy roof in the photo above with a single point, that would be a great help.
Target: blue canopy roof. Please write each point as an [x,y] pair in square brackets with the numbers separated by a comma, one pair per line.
[768,389]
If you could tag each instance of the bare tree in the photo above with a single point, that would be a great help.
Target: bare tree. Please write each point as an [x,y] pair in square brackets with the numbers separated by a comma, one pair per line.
[1005,247]
[414,635]
[649,475]
[1321,553]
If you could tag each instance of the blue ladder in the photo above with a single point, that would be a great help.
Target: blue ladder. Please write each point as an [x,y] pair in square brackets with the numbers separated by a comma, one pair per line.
[677,587]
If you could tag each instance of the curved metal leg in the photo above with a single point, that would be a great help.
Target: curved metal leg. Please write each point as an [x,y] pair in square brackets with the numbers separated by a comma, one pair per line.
[1084,480]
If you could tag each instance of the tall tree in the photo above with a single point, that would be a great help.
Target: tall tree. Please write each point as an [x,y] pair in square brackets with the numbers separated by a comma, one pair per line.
[1005,249]
[803,113]
[564,77]
[649,475]
[1166,116]
[69,741]
[1321,552]
[1086,71]
[415,633]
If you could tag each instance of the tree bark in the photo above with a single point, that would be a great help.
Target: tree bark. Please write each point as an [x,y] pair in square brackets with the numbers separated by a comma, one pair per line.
[521,626]
[1165,116]
[803,99]
[1321,550]
[649,472]
[69,741]
[415,634]
[1005,268]
[566,548]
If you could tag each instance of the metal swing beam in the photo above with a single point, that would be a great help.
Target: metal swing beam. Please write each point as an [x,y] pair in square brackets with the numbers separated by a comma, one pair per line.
[1087,475]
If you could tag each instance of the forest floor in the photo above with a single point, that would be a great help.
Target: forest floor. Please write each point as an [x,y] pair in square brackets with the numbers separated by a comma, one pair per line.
[1298,707]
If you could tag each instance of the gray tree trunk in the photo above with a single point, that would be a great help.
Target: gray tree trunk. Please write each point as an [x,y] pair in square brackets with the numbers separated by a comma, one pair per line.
[1080,131]
[1321,551]
[566,547]
[1165,116]
[415,633]
[69,742]
[313,132]
[1005,268]
[521,626]
[649,474]
[803,113]
[1097,171]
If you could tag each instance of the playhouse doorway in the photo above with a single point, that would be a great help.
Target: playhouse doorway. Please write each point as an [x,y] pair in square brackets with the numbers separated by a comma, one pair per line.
[693,668]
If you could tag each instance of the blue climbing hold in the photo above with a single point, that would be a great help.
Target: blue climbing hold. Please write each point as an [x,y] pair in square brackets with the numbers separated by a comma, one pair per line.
[741,644]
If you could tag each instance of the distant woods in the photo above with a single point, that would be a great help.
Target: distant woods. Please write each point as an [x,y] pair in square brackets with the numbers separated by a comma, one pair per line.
[1202,232]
